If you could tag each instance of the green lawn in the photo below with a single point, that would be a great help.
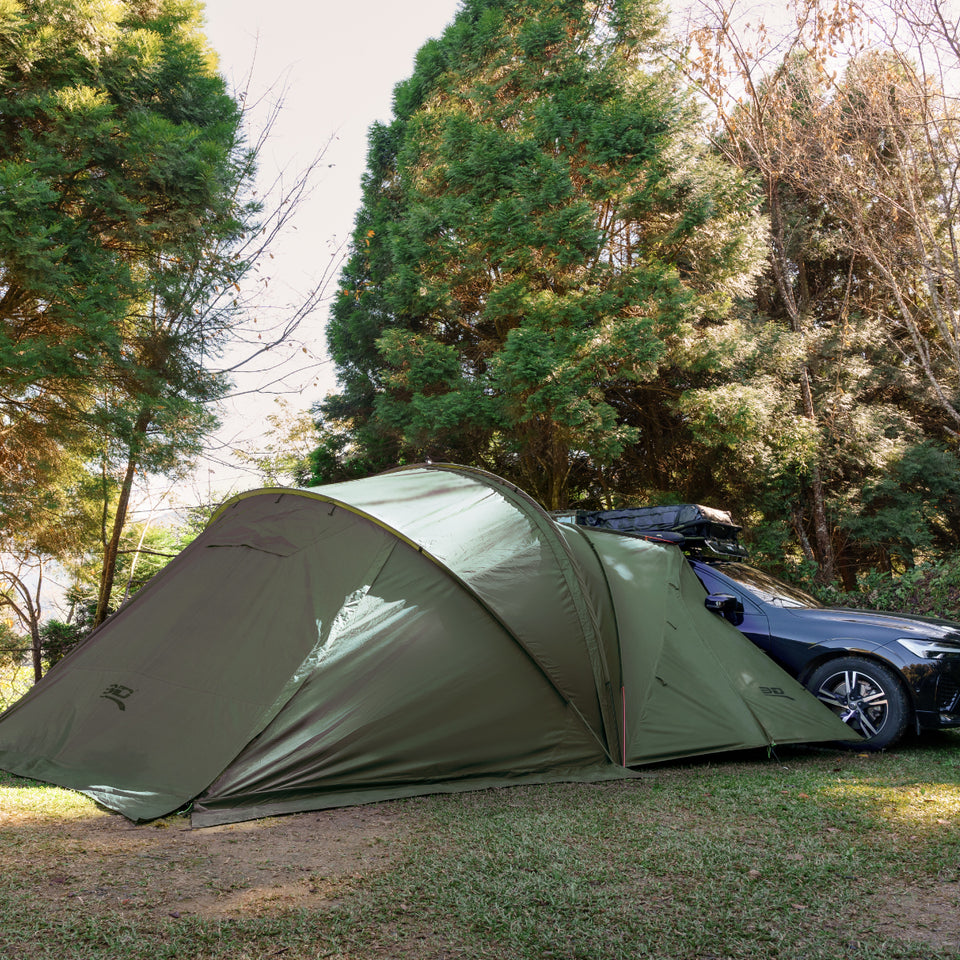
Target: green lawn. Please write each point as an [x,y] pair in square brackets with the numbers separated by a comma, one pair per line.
[809,854]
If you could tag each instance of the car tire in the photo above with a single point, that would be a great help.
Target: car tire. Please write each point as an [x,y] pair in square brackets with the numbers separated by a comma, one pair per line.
[867,696]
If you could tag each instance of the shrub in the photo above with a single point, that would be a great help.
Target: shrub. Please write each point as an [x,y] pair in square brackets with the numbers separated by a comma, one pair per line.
[932,589]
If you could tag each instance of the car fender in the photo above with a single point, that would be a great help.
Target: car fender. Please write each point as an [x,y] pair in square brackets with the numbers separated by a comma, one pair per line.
[839,647]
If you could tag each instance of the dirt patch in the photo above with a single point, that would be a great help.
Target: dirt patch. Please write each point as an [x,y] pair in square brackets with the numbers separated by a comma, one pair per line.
[927,913]
[106,863]
[97,863]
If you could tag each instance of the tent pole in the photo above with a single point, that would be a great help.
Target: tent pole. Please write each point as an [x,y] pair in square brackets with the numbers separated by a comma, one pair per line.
[623,739]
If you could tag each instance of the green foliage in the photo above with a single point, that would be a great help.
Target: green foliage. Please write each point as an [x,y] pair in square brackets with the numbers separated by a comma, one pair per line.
[541,230]
[552,278]
[13,647]
[57,639]
[118,160]
[144,550]
[930,588]
[285,448]
[111,142]
[814,409]
[913,507]
[123,177]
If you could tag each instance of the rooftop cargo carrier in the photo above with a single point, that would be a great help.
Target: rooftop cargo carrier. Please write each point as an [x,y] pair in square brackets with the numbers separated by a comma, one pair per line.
[694,528]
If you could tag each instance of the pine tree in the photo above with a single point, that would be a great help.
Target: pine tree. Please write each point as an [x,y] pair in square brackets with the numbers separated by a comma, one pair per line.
[123,177]
[542,231]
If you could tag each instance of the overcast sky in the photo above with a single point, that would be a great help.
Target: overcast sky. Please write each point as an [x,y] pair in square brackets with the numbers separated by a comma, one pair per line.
[338,64]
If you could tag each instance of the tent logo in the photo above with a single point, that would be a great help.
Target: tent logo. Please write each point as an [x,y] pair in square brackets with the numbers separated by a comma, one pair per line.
[775,692]
[117,693]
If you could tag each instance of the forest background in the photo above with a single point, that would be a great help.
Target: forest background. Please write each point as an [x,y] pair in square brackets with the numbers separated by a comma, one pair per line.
[613,258]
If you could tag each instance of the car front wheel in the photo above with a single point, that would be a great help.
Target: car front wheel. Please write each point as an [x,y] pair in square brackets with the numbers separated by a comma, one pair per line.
[867,696]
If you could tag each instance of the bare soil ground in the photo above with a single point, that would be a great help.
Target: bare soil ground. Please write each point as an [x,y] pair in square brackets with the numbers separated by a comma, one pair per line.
[105,863]
[928,913]
[101,863]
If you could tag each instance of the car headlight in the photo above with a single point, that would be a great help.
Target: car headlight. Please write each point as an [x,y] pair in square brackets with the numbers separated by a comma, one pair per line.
[931,649]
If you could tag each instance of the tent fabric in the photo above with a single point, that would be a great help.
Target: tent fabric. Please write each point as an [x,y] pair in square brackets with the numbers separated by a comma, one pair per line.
[695,684]
[429,629]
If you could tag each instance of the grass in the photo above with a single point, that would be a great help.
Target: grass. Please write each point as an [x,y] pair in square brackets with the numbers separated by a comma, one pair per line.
[813,854]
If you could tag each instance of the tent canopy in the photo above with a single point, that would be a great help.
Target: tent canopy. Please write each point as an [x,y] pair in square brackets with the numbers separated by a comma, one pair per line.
[426,630]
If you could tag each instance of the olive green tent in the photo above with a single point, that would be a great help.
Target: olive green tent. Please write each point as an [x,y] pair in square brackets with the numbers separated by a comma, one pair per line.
[426,630]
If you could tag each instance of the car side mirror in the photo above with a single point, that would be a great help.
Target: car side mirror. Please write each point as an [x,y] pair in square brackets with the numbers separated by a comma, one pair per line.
[726,605]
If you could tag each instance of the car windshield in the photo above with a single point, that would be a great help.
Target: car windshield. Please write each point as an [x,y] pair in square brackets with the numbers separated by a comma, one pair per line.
[767,588]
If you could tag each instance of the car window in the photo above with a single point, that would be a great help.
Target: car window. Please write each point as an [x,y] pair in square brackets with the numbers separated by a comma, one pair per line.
[714,583]
[766,588]
[711,582]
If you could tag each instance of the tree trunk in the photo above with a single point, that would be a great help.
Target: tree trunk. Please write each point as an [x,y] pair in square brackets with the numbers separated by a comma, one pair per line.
[821,530]
[36,650]
[28,610]
[112,548]
[797,311]
[800,531]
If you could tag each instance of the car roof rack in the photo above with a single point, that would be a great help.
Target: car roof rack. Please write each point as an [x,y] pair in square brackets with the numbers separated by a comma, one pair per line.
[697,530]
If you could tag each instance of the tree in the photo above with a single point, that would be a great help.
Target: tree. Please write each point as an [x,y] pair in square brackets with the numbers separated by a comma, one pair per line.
[21,590]
[853,170]
[902,108]
[127,230]
[99,104]
[750,132]
[13,651]
[290,439]
[542,230]
[145,548]
[58,522]
[912,508]
[891,178]
[119,159]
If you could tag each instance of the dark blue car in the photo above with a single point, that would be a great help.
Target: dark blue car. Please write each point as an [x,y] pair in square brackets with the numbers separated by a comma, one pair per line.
[883,673]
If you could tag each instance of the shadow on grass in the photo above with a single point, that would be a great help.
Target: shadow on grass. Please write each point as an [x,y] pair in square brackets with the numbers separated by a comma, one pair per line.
[22,783]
